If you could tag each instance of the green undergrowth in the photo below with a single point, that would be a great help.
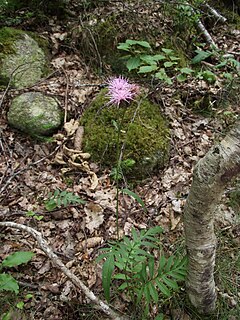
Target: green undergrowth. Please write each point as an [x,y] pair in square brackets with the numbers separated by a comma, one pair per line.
[98,41]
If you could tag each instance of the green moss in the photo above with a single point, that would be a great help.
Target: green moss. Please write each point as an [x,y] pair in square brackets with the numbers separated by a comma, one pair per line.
[7,36]
[143,131]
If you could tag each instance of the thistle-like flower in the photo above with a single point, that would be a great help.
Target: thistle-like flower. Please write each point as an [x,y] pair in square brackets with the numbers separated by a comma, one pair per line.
[119,90]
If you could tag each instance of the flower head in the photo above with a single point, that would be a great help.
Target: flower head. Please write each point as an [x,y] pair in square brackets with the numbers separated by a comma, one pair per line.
[119,89]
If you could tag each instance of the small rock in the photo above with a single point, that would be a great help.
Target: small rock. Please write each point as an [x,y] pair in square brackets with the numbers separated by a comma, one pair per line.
[35,114]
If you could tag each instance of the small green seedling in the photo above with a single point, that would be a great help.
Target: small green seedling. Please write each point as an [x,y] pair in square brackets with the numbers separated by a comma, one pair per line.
[34,215]
[61,198]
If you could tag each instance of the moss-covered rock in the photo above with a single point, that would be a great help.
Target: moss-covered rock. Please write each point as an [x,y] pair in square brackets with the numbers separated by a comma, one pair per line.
[143,131]
[35,114]
[21,58]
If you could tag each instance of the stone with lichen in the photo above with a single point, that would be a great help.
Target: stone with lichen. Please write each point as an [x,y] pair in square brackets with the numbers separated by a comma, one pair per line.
[35,114]
[144,133]
[22,61]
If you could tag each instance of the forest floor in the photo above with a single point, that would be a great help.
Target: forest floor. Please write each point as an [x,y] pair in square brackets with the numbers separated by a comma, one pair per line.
[29,172]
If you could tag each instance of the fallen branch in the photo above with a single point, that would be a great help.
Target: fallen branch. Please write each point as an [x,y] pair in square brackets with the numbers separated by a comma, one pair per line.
[216,14]
[99,304]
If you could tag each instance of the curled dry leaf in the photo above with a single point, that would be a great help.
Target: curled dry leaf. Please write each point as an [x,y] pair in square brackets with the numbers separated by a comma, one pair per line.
[71,127]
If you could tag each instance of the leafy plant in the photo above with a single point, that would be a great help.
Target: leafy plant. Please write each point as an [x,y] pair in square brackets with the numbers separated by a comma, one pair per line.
[226,66]
[61,198]
[7,282]
[142,278]
[124,166]
[161,66]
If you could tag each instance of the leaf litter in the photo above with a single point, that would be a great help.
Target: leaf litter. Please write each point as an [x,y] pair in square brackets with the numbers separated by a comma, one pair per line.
[77,232]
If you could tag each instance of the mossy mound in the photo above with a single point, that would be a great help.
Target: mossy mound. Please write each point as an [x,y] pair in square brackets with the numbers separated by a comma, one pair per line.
[144,133]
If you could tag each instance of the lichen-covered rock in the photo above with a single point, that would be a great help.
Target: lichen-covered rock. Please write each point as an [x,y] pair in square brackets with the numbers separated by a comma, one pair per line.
[21,58]
[143,131]
[35,114]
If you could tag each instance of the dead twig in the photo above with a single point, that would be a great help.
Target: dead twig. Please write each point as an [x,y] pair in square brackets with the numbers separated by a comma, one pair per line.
[66,95]
[99,304]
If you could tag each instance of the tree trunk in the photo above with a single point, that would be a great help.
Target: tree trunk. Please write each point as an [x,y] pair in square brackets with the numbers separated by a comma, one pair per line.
[210,178]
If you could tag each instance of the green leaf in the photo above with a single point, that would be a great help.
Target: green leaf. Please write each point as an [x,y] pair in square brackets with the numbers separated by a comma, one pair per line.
[50,205]
[161,75]
[159,57]
[135,196]
[181,77]
[151,267]
[38,218]
[201,55]
[143,273]
[107,271]
[20,305]
[147,69]
[186,70]
[149,244]
[163,288]
[135,235]
[146,293]
[8,283]
[178,276]
[169,282]
[153,292]
[162,263]
[209,76]
[167,51]
[133,63]
[169,64]
[7,316]
[123,286]
[140,294]
[228,75]
[153,231]
[124,46]
[143,44]
[169,263]
[30,213]
[173,58]
[148,59]
[17,258]
[121,276]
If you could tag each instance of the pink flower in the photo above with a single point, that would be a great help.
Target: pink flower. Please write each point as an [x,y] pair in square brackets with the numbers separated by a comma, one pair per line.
[119,89]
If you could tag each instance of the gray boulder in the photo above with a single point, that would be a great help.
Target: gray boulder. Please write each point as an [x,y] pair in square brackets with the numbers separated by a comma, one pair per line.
[21,58]
[35,114]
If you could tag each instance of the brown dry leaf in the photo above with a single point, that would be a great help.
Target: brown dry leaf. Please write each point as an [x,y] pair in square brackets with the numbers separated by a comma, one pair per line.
[71,127]
[94,217]
[91,242]
[106,197]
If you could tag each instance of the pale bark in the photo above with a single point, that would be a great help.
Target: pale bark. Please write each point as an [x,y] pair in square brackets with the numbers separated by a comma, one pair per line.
[210,178]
